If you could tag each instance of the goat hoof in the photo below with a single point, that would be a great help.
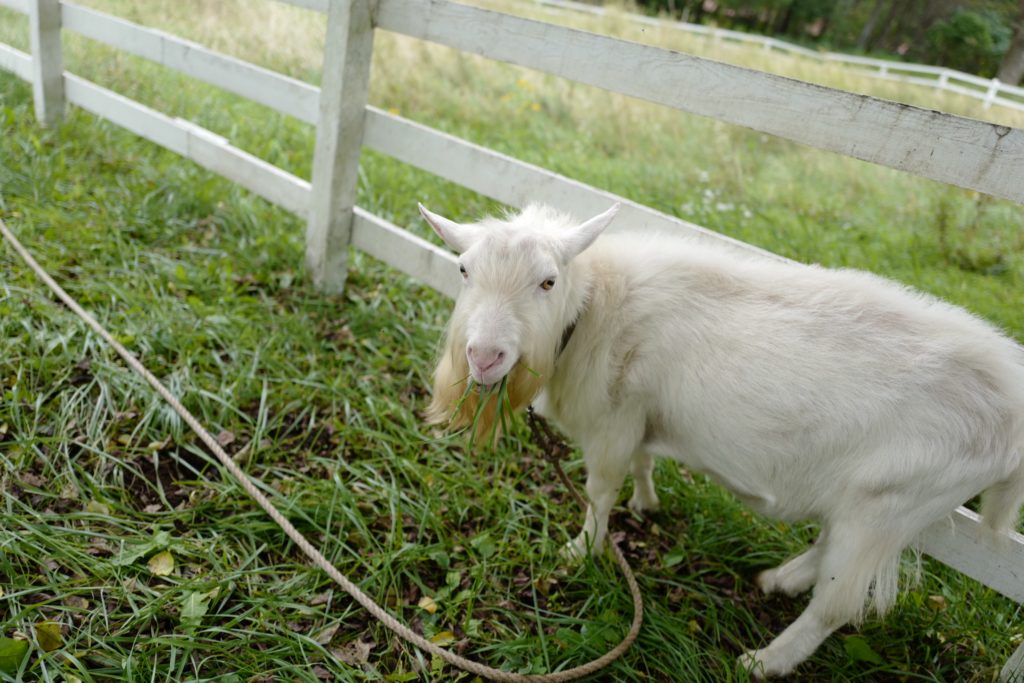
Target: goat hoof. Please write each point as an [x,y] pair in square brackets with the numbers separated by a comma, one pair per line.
[767,581]
[750,662]
[577,549]
[766,663]
[641,505]
[571,552]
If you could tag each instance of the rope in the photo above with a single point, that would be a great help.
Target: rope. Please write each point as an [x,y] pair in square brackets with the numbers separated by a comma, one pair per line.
[315,555]
[555,450]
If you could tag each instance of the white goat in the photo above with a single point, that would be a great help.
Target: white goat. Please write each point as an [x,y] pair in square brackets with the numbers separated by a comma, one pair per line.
[811,393]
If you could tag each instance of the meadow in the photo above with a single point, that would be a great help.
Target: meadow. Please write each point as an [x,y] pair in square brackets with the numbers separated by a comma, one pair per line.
[116,524]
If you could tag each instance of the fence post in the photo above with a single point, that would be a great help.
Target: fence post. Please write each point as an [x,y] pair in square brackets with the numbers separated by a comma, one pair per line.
[943,79]
[1013,670]
[348,49]
[993,90]
[47,62]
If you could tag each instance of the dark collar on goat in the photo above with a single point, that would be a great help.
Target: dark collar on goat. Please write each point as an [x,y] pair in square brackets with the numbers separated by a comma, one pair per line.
[566,336]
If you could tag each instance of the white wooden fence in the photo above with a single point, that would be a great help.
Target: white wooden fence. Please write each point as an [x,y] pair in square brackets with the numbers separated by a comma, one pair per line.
[989,90]
[955,150]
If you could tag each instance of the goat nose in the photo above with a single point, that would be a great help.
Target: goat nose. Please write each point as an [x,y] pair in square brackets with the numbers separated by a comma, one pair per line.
[485,359]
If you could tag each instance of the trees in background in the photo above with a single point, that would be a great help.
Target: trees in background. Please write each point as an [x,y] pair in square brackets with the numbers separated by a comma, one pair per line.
[985,37]
[1011,69]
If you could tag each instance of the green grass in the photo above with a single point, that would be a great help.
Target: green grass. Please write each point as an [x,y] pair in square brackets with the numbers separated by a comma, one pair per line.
[205,283]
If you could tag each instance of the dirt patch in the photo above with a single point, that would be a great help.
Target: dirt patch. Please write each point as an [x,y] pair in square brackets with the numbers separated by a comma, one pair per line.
[155,478]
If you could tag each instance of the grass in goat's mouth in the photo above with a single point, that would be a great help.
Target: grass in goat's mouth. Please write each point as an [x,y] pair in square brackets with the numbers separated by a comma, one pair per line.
[503,408]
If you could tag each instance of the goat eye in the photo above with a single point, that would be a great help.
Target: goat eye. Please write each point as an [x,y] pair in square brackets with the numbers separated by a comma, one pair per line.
[548,284]
[462,269]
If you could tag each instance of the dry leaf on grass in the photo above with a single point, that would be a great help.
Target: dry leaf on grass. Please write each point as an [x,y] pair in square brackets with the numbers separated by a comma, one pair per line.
[96,507]
[48,635]
[325,636]
[225,438]
[76,602]
[33,480]
[320,599]
[443,639]
[195,605]
[11,653]
[159,445]
[162,563]
[356,653]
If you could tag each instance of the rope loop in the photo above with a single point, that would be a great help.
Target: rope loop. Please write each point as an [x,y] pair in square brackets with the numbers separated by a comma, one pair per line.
[313,553]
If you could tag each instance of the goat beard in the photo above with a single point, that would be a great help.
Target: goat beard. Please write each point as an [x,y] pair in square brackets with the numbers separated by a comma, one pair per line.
[452,406]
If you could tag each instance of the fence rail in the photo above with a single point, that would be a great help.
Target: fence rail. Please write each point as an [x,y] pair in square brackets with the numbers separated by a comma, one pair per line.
[959,151]
[16,61]
[966,152]
[287,95]
[194,142]
[22,6]
[989,90]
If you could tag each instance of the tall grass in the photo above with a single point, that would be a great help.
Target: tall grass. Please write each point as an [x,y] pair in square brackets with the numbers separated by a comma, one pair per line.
[205,283]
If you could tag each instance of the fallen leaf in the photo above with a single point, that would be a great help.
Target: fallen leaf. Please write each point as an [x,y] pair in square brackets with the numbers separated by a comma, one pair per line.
[97,507]
[48,635]
[858,649]
[320,599]
[194,607]
[159,445]
[76,602]
[30,479]
[674,557]
[325,636]
[130,554]
[402,677]
[225,438]
[443,639]
[153,508]
[355,653]
[162,563]
[484,544]
[427,603]
[937,602]
[11,653]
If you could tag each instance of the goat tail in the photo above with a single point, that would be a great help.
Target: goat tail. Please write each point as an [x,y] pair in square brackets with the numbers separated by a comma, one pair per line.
[1002,501]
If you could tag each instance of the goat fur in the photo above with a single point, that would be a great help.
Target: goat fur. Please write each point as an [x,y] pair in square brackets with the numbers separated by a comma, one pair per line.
[811,393]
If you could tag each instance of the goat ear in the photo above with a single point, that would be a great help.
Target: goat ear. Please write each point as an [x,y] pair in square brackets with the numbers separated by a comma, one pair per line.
[458,237]
[584,235]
